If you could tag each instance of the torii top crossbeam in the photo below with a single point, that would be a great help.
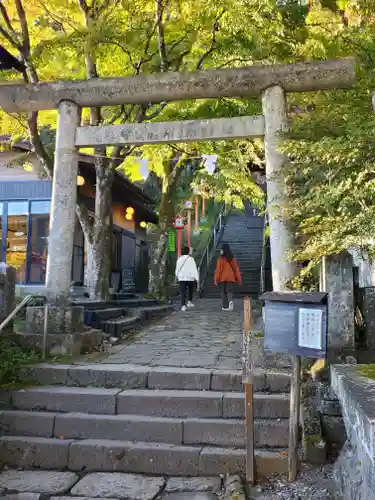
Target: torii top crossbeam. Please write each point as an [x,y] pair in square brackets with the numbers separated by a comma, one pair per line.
[159,87]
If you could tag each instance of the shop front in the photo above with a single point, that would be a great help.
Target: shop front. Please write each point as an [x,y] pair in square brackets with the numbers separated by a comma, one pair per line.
[25,204]
[24,229]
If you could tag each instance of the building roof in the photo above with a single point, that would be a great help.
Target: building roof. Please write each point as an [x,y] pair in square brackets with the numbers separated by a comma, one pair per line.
[89,161]
[123,190]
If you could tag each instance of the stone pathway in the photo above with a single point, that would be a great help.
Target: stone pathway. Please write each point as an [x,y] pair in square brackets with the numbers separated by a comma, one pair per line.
[37,485]
[202,337]
[312,484]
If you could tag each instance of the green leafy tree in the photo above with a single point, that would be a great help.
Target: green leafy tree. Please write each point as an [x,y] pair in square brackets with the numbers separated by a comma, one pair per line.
[97,38]
[330,176]
[90,39]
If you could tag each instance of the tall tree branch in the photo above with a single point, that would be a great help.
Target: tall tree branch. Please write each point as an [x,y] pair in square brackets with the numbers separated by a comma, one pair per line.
[160,31]
[24,28]
[215,29]
[125,50]
[31,75]
[40,150]
[157,112]
[55,18]
[6,18]
[91,70]
[85,220]
[9,38]
[83,6]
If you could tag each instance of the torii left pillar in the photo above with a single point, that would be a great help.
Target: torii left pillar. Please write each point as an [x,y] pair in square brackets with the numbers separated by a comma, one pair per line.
[62,318]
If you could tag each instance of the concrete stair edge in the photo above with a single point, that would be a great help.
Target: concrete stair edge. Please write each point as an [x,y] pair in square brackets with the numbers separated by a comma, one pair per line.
[158,403]
[182,431]
[134,457]
[127,376]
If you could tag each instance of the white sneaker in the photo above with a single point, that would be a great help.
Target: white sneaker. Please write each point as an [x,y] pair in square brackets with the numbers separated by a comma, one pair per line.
[225,309]
[231,305]
[190,304]
[183,308]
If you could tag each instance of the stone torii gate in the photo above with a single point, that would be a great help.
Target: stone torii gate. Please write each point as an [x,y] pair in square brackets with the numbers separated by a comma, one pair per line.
[272,82]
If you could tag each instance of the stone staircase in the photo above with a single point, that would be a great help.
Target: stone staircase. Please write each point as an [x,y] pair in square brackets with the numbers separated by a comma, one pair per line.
[121,313]
[163,420]
[243,232]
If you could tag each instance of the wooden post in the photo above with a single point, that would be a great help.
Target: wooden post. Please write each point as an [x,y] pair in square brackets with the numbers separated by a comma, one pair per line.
[196,228]
[203,207]
[295,402]
[179,242]
[248,381]
[189,229]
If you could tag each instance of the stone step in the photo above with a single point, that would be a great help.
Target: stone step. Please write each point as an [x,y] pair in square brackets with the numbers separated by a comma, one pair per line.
[118,326]
[135,457]
[155,311]
[66,399]
[142,377]
[123,295]
[190,431]
[207,404]
[157,403]
[136,302]
[98,315]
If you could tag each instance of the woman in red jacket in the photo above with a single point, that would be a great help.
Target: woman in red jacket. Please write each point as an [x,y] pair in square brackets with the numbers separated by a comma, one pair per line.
[227,272]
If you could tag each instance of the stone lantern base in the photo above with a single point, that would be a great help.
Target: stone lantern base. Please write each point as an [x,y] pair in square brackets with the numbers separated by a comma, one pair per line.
[66,333]
[60,320]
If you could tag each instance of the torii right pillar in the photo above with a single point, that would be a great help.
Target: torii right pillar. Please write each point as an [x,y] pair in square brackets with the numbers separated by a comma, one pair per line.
[281,237]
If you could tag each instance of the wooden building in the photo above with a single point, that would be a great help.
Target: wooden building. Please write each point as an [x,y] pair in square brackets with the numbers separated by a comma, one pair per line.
[24,222]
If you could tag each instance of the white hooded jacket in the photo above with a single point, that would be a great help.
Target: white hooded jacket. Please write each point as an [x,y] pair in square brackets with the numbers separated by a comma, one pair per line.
[186,269]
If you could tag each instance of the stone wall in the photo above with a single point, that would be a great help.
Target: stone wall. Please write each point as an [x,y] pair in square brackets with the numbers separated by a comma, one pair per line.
[366,269]
[322,423]
[333,427]
[355,467]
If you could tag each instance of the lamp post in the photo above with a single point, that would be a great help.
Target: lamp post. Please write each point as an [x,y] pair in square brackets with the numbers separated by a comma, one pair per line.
[189,206]
[179,225]
[196,227]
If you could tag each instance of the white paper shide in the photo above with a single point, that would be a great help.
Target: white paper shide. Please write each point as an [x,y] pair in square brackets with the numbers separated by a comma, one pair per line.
[310,328]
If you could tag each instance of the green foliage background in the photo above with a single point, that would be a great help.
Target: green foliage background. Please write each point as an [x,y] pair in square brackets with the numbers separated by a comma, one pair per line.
[330,177]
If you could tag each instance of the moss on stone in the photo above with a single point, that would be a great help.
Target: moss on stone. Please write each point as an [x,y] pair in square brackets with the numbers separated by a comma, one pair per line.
[314,438]
[64,359]
[367,371]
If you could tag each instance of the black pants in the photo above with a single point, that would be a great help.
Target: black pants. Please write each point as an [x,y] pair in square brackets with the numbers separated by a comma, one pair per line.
[226,293]
[186,286]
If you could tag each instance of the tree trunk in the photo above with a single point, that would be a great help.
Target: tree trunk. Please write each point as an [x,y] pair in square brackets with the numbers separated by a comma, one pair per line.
[159,259]
[98,271]
[158,264]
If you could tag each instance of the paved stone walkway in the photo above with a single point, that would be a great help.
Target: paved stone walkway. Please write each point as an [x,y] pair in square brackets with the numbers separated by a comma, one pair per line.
[202,337]
[38,485]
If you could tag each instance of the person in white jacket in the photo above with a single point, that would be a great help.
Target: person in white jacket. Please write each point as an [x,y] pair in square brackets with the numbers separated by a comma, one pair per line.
[187,276]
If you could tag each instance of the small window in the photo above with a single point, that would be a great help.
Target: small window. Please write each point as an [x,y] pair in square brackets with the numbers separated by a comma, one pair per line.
[18,208]
[40,207]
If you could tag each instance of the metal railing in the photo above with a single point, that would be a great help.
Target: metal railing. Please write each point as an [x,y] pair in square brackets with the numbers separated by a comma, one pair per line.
[211,246]
[17,309]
